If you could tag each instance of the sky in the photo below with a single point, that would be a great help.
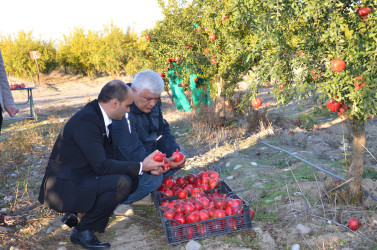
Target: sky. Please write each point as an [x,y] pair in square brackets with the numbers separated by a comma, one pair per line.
[49,19]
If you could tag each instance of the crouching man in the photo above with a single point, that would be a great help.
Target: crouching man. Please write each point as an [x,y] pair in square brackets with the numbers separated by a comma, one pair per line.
[144,131]
[82,176]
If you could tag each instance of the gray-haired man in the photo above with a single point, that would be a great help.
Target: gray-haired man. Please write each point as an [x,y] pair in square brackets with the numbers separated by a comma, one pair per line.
[137,135]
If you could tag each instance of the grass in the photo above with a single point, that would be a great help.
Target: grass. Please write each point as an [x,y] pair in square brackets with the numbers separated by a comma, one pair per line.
[25,148]
[337,164]
[270,215]
[230,169]
[370,173]
[249,183]
[271,185]
[304,172]
[306,122]
[226,172]
[274,185]
[273,159]
[248,240]
[268,198]
[282,163]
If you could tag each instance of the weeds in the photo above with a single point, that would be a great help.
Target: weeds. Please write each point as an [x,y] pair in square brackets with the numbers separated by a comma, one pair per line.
[246,239]
[208,128]
[281,164]
[370,173]
[20,149]
[212,129]
[258,122]
[306,122]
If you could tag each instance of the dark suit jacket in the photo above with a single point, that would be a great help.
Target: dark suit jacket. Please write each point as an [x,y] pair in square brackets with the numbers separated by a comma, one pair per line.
[81,155]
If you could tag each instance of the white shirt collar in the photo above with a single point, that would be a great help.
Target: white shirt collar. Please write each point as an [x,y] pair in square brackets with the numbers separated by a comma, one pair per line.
[107,120]
[128,122]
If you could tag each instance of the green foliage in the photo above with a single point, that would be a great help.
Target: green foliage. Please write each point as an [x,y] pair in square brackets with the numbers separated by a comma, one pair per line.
[282,164]
[244,240]
[288,43]
[90,53]
[107,51]
[16,56]
[191,24]
[305,37]
[304,171]
[370,173]
[306,122]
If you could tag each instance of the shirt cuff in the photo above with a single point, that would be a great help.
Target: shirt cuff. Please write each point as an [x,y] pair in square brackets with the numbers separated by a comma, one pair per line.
[141,169]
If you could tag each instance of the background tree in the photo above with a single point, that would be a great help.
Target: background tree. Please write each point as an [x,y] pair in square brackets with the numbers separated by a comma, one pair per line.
[307,39]
[15,51]
[202,39]
[292,44]
[107,51]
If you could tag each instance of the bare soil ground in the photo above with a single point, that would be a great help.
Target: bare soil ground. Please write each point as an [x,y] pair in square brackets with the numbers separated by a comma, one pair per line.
[294,203]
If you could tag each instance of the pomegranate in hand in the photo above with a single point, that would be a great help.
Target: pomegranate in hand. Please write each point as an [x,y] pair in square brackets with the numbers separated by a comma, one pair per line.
[178,156]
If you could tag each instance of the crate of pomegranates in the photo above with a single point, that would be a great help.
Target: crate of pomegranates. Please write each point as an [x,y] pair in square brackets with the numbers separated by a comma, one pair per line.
[189,209]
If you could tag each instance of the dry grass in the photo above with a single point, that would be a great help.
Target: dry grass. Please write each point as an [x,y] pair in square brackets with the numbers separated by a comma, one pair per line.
[258,121]
[210,128]
[316,204]
[25,148]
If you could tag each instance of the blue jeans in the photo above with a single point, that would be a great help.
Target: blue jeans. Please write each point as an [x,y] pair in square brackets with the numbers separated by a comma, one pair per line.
[130,148]
[147,184]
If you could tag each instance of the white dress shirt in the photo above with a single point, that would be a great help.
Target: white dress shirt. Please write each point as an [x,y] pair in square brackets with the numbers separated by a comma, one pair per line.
[128,122]
[108,121]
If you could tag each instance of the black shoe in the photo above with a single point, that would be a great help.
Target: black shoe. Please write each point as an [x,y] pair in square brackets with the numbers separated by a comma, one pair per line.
[87,240]
[70,220]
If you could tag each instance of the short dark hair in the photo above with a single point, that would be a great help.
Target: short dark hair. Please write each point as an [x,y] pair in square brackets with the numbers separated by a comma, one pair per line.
[113,89]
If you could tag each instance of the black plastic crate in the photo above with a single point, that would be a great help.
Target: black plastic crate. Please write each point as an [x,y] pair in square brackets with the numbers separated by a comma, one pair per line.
[223,188]
[177,233]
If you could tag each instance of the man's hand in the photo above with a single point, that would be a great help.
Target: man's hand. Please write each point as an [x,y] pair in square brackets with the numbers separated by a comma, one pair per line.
[165,170]
[12,110]
[166,166]
[157,172]
[175,165]
[151,165]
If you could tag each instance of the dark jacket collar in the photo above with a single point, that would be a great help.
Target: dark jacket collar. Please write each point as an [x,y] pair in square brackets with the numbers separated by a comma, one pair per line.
[135,110]
[94,104]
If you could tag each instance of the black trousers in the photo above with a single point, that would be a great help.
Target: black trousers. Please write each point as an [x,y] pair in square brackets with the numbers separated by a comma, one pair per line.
[113,189]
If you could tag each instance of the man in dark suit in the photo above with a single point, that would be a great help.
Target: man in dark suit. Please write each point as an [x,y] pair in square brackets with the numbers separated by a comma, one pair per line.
[82,175]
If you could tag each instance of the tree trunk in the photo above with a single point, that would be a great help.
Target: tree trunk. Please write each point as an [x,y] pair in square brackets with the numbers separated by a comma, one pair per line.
[219,84]
[220,106]
[357,160]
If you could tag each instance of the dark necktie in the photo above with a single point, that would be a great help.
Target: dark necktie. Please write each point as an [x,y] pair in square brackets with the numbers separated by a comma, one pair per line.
[110,134]
[110,138]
